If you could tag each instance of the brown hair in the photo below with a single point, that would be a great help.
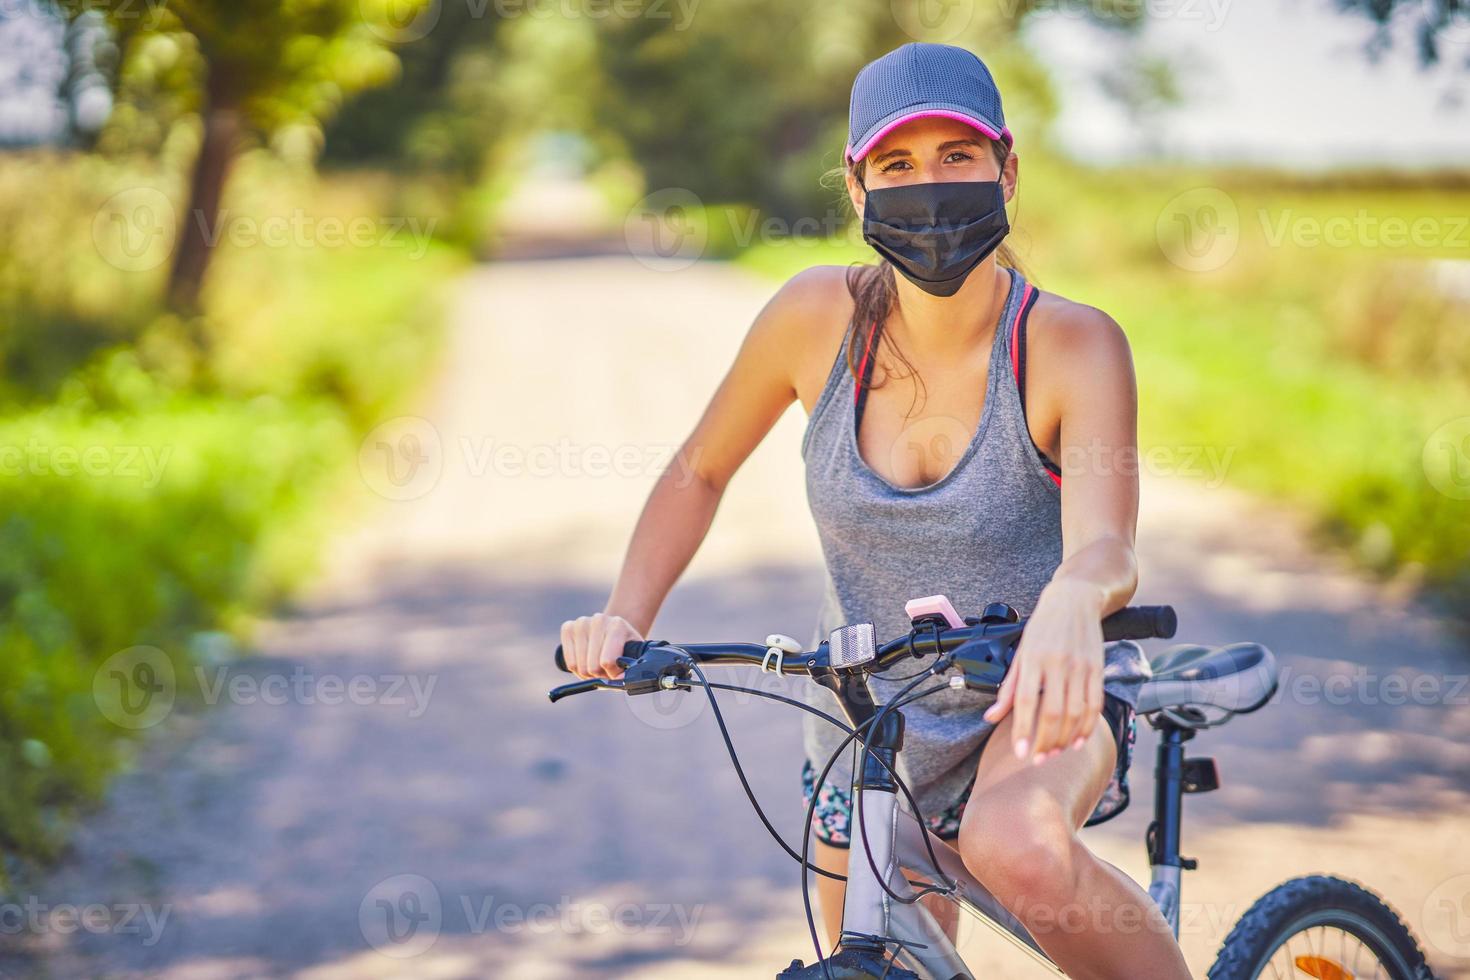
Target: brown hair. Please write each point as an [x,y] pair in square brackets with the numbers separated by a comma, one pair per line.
[874,291]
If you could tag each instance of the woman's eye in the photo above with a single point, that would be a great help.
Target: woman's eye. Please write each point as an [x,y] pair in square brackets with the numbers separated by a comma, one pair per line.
[958,156]
[895,165]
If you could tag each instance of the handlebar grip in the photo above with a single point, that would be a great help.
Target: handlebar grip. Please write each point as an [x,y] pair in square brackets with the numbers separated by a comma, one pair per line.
[1141,623]
[567,690]
[631,650]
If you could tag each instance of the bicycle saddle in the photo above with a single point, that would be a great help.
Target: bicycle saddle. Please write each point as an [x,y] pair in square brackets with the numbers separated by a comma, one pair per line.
[1235,679]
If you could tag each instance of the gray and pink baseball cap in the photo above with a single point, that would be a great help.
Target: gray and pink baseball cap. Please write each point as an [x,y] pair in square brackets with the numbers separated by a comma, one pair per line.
[920,80]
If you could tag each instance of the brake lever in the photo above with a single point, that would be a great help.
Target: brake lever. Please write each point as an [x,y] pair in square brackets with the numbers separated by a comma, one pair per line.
[662,667]
[581,687]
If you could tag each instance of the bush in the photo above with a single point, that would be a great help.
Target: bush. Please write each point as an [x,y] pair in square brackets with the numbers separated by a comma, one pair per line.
[163,478]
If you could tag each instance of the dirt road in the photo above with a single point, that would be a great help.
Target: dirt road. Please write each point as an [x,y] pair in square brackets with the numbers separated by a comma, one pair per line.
[384,791]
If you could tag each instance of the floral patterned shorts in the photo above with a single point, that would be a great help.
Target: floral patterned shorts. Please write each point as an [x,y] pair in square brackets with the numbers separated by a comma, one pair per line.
[832,819]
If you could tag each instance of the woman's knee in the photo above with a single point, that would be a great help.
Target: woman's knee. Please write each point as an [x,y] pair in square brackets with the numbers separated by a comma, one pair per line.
[1021,847]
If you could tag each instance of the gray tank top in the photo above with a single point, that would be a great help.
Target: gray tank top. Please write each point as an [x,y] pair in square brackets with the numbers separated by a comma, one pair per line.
[989,530]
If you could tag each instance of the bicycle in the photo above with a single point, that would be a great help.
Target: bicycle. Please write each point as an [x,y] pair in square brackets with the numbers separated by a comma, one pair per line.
[1315,926]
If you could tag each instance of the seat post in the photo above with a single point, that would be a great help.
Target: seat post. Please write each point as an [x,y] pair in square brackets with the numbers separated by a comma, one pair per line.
[1168,795]
[1164,832]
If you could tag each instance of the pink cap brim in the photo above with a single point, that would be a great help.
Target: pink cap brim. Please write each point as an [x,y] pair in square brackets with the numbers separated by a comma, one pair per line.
[1004,135]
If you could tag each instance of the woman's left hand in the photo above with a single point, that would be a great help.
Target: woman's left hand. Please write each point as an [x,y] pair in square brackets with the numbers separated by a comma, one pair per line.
[1054,687]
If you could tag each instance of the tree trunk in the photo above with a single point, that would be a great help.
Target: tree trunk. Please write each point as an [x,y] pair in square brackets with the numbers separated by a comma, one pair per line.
[199,227]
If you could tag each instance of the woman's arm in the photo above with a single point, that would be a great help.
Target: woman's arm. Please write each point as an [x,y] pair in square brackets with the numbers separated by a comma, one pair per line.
[758,388]
[1085,384]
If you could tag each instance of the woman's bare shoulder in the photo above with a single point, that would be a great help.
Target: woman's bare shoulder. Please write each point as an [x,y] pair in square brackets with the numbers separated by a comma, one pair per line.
[1073,339]
[808,318]
[813,296]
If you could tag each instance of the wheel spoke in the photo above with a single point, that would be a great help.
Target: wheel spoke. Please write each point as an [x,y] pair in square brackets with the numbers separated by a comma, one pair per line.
[1366,946]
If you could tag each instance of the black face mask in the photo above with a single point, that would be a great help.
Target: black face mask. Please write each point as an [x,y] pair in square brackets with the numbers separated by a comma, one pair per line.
[935,234]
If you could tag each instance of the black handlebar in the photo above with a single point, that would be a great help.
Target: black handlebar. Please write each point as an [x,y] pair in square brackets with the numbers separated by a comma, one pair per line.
[1130,623]
[630,649]
[1141,623]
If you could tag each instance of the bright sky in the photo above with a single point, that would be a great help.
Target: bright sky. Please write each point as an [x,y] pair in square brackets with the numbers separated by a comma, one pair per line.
[1269,81]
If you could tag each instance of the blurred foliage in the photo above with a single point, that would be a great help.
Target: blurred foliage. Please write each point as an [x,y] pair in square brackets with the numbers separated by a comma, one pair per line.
[205,498]
[60,301]
[283,63]
[268,68]
[96,562]
[736,114]
[1429,22]
[440,112]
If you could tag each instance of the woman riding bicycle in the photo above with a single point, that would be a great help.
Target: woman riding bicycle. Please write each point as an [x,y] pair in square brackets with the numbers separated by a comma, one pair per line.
[968,435]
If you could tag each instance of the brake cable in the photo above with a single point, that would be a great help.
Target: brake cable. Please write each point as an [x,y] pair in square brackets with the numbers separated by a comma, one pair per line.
[740,771]
[934,627]
[902,698]
[948,886]
[895,702]
[729,747]
[898,701]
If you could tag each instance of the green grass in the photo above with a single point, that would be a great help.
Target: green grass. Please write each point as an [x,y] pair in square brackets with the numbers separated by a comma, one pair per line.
[1318,362]
[153,492]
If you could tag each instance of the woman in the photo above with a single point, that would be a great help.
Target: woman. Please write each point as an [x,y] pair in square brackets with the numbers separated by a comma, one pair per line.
[967,435]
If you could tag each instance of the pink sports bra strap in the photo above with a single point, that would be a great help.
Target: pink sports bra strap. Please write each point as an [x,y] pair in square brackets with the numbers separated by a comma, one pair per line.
[857,388]
[1018,367]
[1026,298]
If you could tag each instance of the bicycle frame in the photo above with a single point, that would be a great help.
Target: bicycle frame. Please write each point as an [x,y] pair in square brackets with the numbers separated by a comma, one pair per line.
[873,920]
[895,840]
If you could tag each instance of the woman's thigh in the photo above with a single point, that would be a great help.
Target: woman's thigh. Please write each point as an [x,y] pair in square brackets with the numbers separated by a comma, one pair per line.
[1074,780]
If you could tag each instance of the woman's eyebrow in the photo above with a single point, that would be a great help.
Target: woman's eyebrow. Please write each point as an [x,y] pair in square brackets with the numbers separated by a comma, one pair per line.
[890,154]
[953,144]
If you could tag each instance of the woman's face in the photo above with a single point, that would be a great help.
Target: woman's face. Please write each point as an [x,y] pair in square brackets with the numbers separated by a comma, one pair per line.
[932,150]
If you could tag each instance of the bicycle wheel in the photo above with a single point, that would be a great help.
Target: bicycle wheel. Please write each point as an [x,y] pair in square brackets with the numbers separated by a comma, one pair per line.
[1320,927]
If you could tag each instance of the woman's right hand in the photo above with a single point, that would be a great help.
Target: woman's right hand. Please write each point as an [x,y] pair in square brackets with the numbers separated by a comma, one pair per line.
[591,645]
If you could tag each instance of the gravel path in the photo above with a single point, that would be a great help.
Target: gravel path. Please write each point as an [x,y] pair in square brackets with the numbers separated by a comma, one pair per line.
[386,792]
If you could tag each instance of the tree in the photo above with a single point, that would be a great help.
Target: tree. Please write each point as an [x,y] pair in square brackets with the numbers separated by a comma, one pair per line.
[260,65]
[433,116]
[1431,23]
[748,98]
